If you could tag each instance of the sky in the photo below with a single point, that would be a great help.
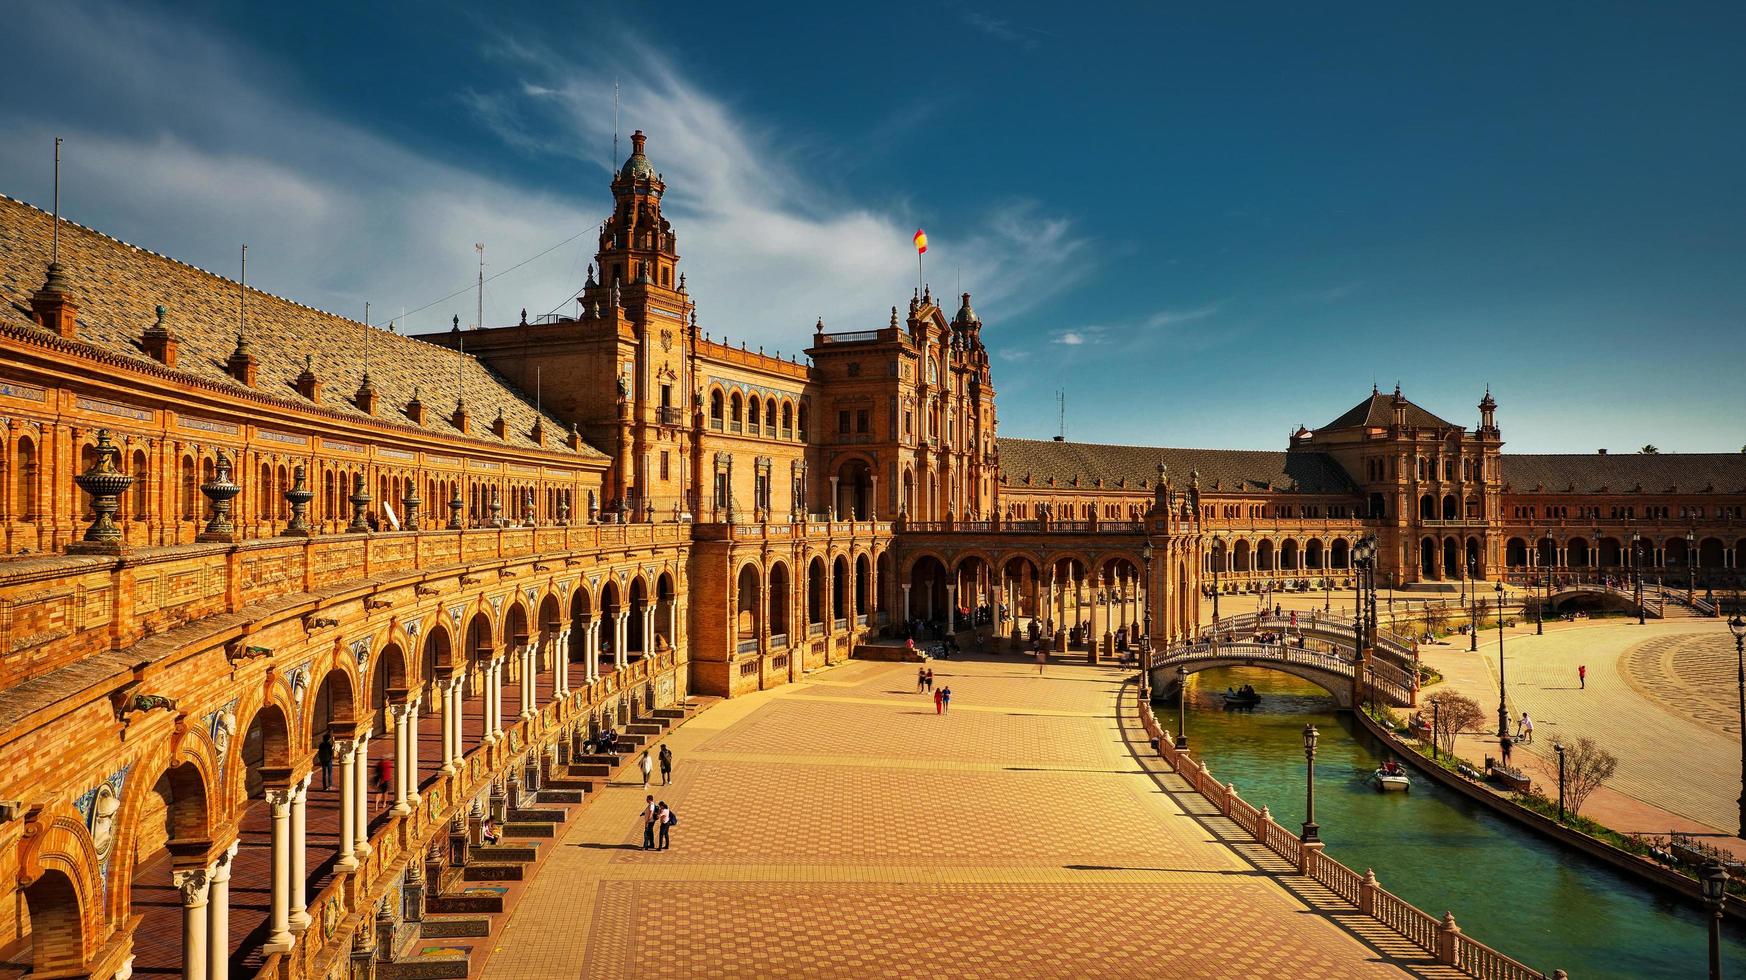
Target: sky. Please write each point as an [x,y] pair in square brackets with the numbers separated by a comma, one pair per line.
[1203,224]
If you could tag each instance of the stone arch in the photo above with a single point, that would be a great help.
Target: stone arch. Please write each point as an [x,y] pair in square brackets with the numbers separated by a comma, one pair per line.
[854,500]
[333,708]
[781,600]
[1315,555]
[863,585]
[815,591]
[840,588]
[266,752]
[58,869]
[1579,552]
[748,601]
[1242,556]
[638,602]
[1264,556]
[1516,553]
[1340,554]
[1288,556]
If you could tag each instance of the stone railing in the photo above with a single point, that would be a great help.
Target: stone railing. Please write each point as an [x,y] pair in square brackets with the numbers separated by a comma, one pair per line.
[1441,939]
[58,609]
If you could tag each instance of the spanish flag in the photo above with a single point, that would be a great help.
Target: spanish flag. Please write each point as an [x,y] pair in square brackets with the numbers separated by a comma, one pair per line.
[921,241]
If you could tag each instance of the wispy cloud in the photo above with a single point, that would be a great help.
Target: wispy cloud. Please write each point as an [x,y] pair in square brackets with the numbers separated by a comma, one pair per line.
[1003,30]
[1171,318]
[190,144]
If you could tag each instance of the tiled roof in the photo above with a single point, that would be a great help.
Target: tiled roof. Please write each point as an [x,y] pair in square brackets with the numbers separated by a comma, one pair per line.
[1376,412]
[1222,470]
[1654,472]
[117,286]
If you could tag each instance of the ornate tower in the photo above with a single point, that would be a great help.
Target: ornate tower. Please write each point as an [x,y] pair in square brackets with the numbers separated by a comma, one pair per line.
[637,245]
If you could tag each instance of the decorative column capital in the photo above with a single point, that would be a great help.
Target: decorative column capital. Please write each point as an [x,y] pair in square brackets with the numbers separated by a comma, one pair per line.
[279,798]
[195,885]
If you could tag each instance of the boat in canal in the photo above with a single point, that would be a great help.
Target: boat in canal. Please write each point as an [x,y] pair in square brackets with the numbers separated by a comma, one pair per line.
[1392,777]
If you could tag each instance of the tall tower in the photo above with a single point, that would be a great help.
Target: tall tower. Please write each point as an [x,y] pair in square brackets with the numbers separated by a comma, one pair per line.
[637,245]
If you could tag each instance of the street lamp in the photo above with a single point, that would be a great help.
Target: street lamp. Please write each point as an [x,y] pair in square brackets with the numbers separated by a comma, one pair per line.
[1218,559]
[1690,565]
[1540,608]
[1436,726]
[1637,570]
[1311,832]
[1503,711]
[1714,879]
[1473,606]
[1146,639]
[1559,748]
[1737,626]
[1181,708]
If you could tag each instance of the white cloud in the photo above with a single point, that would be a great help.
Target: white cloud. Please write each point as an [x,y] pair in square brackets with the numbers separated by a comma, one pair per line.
[1170,318]
[190,144]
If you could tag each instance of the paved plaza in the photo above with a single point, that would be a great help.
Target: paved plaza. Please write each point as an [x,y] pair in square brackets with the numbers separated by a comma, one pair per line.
[840,827]
[1660,696]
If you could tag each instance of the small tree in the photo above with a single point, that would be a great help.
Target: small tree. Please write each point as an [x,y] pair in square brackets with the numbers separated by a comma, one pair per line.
[1454,714]
[1586,767]
[1649,450]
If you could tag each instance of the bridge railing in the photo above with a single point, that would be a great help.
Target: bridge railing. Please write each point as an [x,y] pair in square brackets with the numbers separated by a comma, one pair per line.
[1392,682]
[1440,938]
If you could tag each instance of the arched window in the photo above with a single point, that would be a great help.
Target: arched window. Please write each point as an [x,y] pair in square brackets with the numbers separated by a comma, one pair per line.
[25,473]
[715,409]
[770,415]
[735,411]
[189,488]
[787,420]
[753,410]
[142,494]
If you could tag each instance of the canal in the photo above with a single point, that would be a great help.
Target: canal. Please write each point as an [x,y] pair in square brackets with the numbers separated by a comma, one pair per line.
[1509,888]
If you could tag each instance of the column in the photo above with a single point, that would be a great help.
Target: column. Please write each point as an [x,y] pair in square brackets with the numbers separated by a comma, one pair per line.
[279,938]
[833,508]
[561,664]
[873,499]
[347,749]
[530,658]
[906,602]
[620,636]
[450,710]
[496,699]
[195,886]
[361,843]
[299,870]
[412,793]
[952,608]
[591,647]
[649,628]
[218,917]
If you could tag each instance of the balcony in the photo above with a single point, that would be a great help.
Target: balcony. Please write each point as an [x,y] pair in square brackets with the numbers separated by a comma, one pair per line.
[669,415]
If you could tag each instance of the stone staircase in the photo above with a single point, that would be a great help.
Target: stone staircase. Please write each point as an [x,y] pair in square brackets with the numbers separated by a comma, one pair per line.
[471,886]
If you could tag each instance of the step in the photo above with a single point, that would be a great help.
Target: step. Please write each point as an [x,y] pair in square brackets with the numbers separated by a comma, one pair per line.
[475,900]
[545,830]
[537,815]
[505,853]
[642,729]
[672,714]
[564,796]
[596,770]
[454,927]
[493,871]
[572,784]
[432,960]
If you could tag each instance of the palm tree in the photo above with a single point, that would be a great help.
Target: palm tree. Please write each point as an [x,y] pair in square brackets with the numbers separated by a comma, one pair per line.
[1649,450]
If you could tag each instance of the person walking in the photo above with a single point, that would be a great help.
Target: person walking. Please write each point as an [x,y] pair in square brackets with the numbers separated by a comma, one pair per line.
[930,678]
[1582,677]
[666,765]
[1042,659]
[647,765]
[1505,744]
[1525,729]
[939,701]
[651,815]
[324,759]
[921,679]
[946,698]
[385,779]
[666,822]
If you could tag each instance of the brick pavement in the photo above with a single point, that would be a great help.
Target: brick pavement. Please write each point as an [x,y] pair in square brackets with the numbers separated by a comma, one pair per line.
[838,827]
[1646,702]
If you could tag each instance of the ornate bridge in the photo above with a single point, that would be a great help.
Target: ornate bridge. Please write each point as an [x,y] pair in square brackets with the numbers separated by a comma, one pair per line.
[1331,670]
[1330,629]
[1654,600]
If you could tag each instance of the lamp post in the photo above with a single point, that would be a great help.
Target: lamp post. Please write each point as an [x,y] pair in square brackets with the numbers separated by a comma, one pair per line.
[1559,748]
[1690,565]
[1146,639]
[1218,559]
[1637,573]
[1714,879]
[1540,607]
[1473,608]
[1737,626]
[1311,832]
[1503,711]
[1181,709]
[1436,725]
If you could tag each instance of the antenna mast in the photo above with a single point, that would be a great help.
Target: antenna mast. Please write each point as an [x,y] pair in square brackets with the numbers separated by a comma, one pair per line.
[366,340]
[1061,414]
[55,246]
[479,324]
[242,293]
[613,163]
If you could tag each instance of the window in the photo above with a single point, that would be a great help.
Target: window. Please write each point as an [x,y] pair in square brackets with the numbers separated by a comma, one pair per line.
[861,420]
[666,473]
[666,396]
[721,490]
[843,421]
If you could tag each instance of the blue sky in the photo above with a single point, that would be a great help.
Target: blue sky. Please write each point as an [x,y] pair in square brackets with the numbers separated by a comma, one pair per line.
[1205,223]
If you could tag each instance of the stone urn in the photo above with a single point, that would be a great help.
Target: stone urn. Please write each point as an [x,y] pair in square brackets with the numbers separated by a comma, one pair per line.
[221,490]
[105,483]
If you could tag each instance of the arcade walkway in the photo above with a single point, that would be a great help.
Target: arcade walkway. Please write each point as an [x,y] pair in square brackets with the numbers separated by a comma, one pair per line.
[839,827]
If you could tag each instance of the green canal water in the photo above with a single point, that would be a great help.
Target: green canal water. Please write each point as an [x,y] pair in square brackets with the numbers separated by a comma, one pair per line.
[1509,888]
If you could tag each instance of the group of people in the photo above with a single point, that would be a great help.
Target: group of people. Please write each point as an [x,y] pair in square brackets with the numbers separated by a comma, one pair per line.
[924,682]
[658,822]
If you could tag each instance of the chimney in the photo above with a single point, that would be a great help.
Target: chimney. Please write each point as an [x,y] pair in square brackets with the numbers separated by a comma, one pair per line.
[1603,452]
[159,342]
[308,385]
[499,427]
[575,441]
[415,408]
[460,416]
[366,397]
[52,306]
[241,364]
